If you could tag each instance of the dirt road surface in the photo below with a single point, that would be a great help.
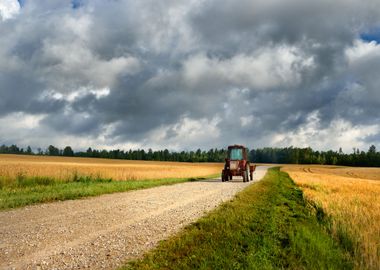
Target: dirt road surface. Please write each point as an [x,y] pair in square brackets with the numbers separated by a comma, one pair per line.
[103,232]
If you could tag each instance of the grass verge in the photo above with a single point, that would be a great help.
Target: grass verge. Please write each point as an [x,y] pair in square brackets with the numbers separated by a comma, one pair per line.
[31,190]
[266,226]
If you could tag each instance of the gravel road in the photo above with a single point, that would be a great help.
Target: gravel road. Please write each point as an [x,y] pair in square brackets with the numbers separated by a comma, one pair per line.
[103,232]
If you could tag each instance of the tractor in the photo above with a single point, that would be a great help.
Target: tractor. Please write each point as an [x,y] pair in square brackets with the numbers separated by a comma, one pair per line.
[237,164]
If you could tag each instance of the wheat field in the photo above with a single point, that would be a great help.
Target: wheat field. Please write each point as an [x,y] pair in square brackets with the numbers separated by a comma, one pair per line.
[65,168]
[351,197]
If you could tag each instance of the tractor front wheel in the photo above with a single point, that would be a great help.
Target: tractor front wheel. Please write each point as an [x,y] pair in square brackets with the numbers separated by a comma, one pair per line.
[224,176]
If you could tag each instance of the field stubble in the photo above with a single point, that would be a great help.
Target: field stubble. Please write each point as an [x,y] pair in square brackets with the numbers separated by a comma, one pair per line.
[350,197]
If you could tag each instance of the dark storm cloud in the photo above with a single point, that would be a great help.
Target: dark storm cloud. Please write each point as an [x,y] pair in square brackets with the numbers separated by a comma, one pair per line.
[72,123]
[134,71]
[243,24]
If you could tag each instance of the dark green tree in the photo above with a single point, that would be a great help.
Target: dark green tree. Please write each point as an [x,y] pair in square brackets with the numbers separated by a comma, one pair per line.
[68,151]
[52,151]
[29,150]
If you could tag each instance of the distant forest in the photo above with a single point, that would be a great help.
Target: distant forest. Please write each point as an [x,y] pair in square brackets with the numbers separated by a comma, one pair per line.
[287,155]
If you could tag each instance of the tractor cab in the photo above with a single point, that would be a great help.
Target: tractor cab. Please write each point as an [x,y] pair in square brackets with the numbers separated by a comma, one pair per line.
[237,152]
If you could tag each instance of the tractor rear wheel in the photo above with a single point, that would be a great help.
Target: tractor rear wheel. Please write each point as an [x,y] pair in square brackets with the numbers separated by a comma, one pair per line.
[245,176]
[248,174]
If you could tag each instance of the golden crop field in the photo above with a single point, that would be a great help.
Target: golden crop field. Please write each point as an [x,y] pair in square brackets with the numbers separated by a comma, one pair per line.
[351,197]
[64,168]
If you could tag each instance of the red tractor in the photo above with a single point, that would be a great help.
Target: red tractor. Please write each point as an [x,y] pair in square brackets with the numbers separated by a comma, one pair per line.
[237,164]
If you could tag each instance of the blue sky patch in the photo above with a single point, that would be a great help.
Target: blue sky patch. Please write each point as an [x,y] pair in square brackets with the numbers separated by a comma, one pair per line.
[21,2]
[76,3]
[372,35]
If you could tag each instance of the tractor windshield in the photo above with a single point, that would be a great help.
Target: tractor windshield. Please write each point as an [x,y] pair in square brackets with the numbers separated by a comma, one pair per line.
[236,154]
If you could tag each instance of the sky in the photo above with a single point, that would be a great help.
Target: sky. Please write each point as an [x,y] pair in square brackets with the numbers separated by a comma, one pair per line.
[189,74]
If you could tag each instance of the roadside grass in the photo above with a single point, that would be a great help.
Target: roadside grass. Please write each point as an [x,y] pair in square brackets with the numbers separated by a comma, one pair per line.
[32,190]
[266,226]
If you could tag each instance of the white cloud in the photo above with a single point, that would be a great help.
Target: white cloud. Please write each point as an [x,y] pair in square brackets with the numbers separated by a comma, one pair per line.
[246,120]
[19,127]
[266,68]
[192,133]
[25,129]
[75,63]
[362,51]
[20,121]
[340,133]
[75,94]
[9,9]
[363,67]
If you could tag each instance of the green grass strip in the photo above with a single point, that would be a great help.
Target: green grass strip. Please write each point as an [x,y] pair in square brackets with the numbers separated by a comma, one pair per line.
[40,190]
[266,226]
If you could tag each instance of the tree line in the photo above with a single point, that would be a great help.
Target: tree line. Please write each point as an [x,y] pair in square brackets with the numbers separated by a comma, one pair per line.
[294,155]
[287,155]
[212,155]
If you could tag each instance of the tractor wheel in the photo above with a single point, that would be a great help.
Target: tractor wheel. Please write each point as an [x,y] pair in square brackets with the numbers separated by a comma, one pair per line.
[224,176]
[245,176]
[230,177]
[248,174]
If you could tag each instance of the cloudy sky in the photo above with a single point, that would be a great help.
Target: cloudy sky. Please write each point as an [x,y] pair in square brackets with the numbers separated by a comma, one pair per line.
[184,74]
